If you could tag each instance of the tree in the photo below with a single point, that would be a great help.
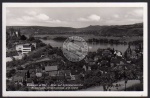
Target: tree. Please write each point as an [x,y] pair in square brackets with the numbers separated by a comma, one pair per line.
[19,68]
[8,75]
[10,87]
[106,81]
[31,38]
[13,71]
[23,37]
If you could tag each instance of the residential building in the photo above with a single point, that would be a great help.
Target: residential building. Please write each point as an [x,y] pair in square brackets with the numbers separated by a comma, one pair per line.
[106,53]
[53,73]
[17,78]
[18,57]
[39,74]
[74,74]
[51,68]
[118,53]
[25,48]
[29,82]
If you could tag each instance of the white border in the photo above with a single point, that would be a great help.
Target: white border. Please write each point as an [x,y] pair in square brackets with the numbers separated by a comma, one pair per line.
[74,93]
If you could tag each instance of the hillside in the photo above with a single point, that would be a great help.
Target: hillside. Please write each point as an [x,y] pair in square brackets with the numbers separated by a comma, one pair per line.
[114,30]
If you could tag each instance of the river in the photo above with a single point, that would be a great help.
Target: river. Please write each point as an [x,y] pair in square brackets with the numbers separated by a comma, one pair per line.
[92,46]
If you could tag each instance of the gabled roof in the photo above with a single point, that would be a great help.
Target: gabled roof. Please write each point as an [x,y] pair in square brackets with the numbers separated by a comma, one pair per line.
[22,71]
[21,74]
[106,52]
[53,73]
[42,60]
[26,45]
[60,77]
[16,78]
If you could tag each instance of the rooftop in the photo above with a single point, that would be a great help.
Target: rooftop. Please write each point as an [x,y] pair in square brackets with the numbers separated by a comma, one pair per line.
[51,68]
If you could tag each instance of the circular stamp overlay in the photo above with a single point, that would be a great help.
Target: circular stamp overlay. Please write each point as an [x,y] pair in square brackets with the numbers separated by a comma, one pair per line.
[75,48]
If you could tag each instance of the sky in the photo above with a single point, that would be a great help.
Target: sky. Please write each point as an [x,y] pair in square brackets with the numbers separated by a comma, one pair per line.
[76,17]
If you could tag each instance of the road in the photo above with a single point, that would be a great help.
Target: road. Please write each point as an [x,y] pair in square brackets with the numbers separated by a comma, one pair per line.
[121,87]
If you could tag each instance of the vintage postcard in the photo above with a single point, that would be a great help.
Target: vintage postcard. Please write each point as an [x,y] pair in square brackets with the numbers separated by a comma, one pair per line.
[75,49]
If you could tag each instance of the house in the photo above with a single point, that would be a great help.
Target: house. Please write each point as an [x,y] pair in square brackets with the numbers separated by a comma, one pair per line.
[65,73]
[118,53]
[32,70]
[68,78]
[32,73]
[89,67]
[96,58]
[29,82]
[38,70]
[104,63]
[25,48]
[18,78]
[22,71]
[53,73]
[139,55]
[57,56]
[46,59]
[74,77]
[39,74]
[106,53]
[91,63]
[60,79]
[9,59]
[114,61]
[74,74]
[86,59]
[61,73]
[51,68]
[117,61]
[133,55]
[8,69]
[17,57]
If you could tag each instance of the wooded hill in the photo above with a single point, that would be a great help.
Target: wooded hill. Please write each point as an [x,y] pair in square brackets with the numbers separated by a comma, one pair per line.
[113,30]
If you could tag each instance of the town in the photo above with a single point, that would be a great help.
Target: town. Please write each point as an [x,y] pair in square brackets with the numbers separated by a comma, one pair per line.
[31,63]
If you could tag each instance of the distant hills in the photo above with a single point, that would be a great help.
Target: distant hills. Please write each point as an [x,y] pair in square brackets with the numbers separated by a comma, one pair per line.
[113,30]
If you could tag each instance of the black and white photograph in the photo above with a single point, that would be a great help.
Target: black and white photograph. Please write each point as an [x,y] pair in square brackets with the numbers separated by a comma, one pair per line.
[80,48]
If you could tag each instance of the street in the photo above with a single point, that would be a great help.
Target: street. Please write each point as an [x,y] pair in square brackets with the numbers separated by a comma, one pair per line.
[120,83]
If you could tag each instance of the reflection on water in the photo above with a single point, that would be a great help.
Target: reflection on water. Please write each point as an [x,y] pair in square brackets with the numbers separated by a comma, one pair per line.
[92,46]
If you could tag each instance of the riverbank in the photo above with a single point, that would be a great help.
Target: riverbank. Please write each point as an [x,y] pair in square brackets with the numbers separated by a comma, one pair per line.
[85,37]
[92,46]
